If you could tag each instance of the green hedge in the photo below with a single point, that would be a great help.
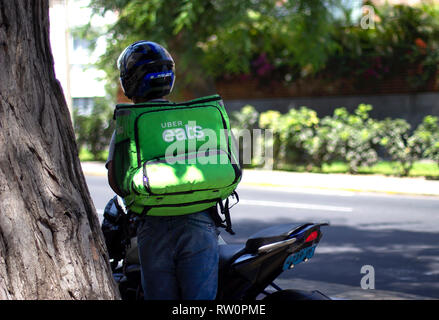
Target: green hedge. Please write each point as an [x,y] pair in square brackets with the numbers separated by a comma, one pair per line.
[300,137]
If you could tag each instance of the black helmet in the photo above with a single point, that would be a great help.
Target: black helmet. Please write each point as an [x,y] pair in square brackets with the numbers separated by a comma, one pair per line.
[146,70]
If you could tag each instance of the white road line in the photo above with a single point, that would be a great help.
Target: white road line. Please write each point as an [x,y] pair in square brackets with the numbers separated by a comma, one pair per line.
[300,190]
[279,204]
[294,205]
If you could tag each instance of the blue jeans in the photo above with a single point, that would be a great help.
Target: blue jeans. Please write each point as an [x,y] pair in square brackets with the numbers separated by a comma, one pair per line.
[179,257]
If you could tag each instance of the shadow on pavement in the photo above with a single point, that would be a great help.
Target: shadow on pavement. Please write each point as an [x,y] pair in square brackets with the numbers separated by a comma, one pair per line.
[404,262]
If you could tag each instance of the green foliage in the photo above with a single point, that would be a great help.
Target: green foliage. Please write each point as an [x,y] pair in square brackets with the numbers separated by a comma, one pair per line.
[273,120]
[210,38]
[320,146]
[407,147]
[296,127]
[274,40]
[93,130]
[404,148]
[403,38]
[423,168]
[428,135]
[246,118]
[291,131]
[351,137]
[300,138]
[243,124]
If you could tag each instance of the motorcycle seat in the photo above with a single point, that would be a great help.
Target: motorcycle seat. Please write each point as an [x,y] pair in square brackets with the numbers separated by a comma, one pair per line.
[270,235]
[228,253]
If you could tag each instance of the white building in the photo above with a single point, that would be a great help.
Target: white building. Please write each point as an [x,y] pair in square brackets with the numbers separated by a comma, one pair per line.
[74,69]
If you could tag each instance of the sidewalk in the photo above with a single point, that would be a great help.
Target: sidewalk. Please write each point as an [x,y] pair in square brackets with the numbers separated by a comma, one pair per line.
[335,182]
[342,182]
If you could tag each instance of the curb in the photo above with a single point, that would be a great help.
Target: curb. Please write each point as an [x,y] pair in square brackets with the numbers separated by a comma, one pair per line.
[351,190]
[342,182]
[339,189]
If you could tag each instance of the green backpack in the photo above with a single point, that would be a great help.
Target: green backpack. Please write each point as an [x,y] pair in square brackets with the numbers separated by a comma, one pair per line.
[175,158]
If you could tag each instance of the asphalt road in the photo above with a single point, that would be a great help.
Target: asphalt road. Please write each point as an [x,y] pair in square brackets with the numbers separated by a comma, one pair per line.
[397,235]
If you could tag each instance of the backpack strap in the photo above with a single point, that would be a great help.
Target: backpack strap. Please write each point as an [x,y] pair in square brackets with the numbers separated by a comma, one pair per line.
[225,210]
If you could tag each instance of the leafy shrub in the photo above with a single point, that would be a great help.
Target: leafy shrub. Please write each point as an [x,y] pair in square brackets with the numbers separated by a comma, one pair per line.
[272,120]
[428,135]
[290,131]
[298,126]
[93,130]
[400,145]
[243,124]
[349,137]
[300,137]
[323,146]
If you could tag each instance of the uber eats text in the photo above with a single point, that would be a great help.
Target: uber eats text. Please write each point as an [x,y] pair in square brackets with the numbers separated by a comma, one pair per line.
[205,143]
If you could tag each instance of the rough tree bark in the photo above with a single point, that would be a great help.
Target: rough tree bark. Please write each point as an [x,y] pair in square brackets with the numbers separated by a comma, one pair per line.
[51,245]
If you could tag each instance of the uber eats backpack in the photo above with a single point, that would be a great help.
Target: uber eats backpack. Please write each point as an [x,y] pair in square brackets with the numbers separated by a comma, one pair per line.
[175,158]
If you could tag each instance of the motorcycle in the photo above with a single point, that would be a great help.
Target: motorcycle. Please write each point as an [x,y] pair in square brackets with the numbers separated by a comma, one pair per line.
[246,271]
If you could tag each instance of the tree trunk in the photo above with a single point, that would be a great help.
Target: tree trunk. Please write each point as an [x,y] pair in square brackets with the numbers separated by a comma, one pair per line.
[51,244]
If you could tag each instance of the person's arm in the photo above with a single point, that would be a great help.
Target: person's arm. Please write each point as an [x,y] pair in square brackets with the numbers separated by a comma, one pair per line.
[110,166]
[111,179]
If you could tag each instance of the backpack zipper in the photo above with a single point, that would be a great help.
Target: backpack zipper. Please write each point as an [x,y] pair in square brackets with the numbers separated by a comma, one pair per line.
[168,104]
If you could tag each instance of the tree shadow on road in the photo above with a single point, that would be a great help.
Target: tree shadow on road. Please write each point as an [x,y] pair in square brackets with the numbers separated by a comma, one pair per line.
[404,261]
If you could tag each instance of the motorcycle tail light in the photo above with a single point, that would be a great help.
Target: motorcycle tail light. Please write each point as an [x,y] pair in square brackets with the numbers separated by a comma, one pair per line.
[312,236]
